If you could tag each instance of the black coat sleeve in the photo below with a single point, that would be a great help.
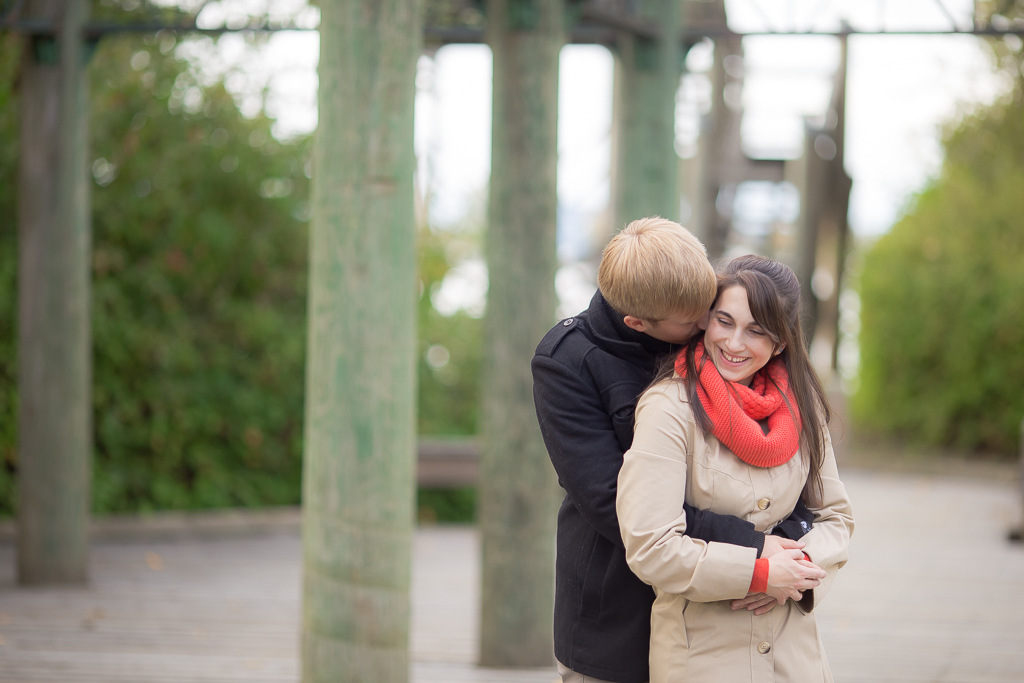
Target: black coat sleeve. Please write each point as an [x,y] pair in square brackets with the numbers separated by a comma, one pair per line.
[797,524]
[712,526]
[585,451]
[581,442]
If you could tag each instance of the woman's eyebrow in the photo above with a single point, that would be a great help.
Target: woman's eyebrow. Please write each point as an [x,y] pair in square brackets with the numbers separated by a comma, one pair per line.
[728,315]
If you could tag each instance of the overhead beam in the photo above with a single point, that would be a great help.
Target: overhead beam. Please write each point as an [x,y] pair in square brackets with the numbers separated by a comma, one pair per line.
[598,26]
[622,23]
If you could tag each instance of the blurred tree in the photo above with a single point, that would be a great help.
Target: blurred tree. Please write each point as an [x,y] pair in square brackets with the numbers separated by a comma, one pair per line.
[450,349]
[942,296]
[199,293]
[450,346]
[199,290]
[199,268]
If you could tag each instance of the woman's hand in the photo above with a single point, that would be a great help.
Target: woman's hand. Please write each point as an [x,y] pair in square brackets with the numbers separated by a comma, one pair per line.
[789,574]
[758,603]
[775,544]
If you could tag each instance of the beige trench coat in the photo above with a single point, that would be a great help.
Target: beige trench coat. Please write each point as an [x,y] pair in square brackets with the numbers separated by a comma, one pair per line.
[695,636]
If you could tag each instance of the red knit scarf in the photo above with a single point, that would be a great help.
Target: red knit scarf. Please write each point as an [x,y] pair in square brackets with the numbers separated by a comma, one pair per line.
[765,398]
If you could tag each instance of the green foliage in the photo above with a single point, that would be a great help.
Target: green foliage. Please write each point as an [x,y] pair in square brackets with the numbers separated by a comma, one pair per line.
[198,299]
[199,269]
[446,506]
[942,299]
[448,393]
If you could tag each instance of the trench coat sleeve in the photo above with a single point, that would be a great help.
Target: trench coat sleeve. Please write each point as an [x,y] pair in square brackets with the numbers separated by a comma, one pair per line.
[828,542]
[652,486]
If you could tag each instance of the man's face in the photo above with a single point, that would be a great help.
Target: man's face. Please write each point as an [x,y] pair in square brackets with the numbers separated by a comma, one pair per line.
[674,330]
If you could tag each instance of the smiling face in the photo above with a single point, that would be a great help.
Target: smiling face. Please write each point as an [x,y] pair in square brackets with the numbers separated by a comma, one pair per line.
[735,342]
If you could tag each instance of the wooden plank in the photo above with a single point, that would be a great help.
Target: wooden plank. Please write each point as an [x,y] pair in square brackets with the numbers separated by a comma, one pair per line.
[933,592]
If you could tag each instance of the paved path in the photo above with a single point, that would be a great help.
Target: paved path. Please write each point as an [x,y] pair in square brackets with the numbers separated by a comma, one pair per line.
[933,593]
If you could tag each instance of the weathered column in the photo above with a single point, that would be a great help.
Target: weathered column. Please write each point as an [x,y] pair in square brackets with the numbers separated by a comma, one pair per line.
[821,229]
[838,208]
[1017,534]
[358,479]
[518,491]
[54,348]
[644,160]
[812,184]
[719,147]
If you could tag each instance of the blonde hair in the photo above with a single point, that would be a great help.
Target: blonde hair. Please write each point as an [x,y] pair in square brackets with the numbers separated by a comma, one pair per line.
[655,269]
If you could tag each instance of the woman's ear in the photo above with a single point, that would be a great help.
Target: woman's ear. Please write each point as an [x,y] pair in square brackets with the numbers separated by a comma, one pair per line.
[779,350]
[704,320]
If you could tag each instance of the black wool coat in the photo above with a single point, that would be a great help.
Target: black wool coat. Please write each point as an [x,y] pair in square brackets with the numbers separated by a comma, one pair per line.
[588,373]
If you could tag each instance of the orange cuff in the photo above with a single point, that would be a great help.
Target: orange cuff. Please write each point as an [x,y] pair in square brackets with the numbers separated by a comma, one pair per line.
[759,583]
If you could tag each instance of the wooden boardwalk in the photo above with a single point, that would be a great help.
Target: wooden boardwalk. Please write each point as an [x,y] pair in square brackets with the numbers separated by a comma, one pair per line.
[933,593]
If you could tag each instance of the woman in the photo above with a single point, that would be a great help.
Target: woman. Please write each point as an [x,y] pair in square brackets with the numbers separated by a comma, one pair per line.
[740,429]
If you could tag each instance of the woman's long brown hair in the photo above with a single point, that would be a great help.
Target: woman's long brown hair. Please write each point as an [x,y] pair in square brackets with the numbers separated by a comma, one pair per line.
[773,294]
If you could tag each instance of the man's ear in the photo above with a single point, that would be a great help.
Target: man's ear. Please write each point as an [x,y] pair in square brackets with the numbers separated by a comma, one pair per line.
[635,323]
[704,320]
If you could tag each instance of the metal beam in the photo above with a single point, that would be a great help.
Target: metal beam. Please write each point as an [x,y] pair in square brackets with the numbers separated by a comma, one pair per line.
[629,23]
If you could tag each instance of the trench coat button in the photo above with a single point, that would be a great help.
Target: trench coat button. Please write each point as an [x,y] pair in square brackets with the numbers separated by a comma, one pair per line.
[764,648]
[568,321]
[763,504]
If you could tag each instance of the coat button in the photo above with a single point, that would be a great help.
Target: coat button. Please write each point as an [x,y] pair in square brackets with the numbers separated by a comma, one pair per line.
[763,504]
[764,648]
[568,321]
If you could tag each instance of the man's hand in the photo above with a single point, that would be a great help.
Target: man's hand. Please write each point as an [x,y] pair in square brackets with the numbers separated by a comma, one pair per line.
[758,603]
[789,574]
[775,544]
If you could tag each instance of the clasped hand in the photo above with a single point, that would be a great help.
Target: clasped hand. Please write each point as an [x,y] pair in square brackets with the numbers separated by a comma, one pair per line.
[789,574]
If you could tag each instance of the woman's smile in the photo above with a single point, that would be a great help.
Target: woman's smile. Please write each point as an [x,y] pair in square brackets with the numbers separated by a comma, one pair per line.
[736,360]
[735,342]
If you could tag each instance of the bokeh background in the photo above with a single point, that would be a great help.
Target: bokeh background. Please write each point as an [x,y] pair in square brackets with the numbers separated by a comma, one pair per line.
[200,156]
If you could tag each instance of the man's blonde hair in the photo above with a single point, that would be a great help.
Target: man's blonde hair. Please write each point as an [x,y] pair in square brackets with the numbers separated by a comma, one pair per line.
[655,269]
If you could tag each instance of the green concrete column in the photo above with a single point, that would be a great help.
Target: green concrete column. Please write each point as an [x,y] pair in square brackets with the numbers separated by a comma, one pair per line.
[644,160]
[359,467]
[518,497]
[54,337]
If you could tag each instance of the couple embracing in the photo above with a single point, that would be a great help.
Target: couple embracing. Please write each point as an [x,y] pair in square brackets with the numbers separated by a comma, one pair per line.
[704,517]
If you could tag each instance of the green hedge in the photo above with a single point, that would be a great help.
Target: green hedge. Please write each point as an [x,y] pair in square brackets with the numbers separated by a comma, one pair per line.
[199,295]
[942,299]
[199,277]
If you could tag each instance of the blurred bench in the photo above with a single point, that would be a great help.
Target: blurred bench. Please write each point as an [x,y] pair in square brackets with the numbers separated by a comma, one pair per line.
[448,463]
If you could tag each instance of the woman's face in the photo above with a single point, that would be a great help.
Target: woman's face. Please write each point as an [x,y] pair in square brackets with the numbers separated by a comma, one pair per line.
[736,344]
